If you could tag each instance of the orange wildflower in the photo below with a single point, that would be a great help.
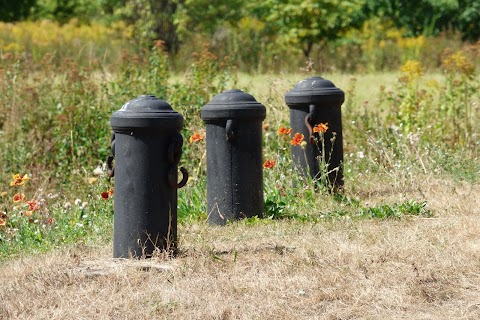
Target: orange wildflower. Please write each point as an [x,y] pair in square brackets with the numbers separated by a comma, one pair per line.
[269,164]
[18,197]
[107,194]
[284,131]
[33,205]
[321,127]
[297,139]
[3,223]
[196,137]
[29,213]
[19,180]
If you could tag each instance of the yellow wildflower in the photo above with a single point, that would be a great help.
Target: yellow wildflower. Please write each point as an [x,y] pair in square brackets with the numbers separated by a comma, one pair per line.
[19,180]
[412,70]
[457,62]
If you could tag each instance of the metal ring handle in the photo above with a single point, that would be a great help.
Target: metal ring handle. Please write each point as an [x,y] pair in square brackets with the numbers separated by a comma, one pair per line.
[184,180]
[173,175]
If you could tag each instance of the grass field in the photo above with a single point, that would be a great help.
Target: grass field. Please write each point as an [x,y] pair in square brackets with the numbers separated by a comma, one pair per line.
[401,241]
[409,268]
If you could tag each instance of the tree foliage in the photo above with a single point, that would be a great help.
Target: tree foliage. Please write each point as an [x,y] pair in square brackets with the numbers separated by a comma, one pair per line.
[468,21]
[299,24]
[430,17]
[151,20]
[306,22]
[206,15]
[15,10]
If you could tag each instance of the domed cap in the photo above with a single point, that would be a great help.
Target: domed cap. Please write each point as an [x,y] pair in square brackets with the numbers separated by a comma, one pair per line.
[146,112]
[314,90]
[233,104]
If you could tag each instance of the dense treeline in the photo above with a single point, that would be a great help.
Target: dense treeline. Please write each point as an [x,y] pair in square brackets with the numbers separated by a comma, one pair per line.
[427,17]
[305,28]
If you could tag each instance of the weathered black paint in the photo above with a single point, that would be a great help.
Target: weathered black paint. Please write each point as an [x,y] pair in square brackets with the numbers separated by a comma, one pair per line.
[234,156]
[312,101]
[147,150]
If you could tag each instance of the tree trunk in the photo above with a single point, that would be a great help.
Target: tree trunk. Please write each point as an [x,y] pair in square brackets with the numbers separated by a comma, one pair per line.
[308,49]
[164,28]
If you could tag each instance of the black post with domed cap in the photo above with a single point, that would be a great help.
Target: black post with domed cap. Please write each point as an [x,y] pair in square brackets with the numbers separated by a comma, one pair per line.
[148,147]
[234,156]
[315,112]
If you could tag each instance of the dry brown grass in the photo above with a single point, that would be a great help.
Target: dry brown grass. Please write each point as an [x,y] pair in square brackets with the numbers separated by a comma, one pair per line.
[416,268]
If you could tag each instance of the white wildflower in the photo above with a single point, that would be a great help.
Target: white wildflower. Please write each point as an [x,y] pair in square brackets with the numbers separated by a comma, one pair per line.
[98,171]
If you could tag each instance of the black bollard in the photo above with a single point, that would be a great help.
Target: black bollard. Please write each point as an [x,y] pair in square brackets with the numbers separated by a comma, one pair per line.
[147,149]
[313,102]
[234,156]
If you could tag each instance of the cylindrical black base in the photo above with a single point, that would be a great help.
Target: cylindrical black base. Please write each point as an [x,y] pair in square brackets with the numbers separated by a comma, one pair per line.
[234,170]
[145,206]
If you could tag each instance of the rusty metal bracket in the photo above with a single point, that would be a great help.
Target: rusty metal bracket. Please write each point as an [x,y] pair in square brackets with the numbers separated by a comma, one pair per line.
[110,167]
[309,123]
[110,158]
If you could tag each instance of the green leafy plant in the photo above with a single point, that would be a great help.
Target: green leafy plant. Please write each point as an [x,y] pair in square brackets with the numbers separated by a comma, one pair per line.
[384,211]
